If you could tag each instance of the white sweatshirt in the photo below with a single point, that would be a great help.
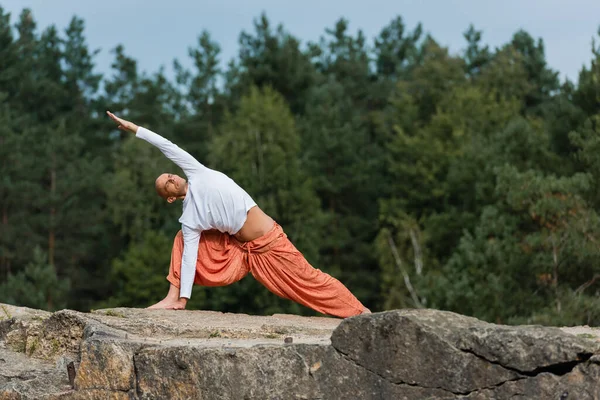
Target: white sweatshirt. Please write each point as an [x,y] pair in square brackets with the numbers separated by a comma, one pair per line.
[213,201]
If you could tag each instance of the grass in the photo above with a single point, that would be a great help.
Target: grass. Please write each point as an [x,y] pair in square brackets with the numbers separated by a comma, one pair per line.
[215,334]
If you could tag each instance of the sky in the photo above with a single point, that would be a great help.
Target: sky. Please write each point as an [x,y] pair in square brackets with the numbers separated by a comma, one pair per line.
[155,32]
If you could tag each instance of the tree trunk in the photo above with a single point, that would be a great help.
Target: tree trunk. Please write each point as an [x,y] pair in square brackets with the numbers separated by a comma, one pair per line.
[555,273]
[51,236]
[51,233]
[407,283]
[4,261]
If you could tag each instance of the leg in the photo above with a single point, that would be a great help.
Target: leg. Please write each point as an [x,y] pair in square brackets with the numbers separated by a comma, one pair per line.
[173,277]
[285,272]
[172,296]
[219,264]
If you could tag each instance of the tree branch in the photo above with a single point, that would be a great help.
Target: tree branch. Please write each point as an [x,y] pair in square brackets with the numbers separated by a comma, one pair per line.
[398,260]
[586,285]
[417,250]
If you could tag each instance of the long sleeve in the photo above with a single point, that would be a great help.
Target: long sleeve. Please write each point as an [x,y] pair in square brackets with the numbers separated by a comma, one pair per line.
[173,152]
[191,239]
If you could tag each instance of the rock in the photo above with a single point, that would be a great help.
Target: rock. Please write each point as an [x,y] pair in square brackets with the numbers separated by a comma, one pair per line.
[402,349]
[22,377]
[107,364]
[403,354]
[583,382]
[465,356]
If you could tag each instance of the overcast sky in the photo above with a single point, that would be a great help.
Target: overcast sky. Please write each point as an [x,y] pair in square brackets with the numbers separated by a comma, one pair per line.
[154,32]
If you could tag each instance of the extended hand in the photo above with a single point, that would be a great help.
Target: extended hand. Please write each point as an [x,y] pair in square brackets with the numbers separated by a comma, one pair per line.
[123,125]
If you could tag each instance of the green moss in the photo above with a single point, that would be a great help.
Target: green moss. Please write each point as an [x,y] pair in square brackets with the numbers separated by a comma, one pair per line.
[55,346]
[113,313]
[19,347]
[8,315]
[586,335]
[34,345]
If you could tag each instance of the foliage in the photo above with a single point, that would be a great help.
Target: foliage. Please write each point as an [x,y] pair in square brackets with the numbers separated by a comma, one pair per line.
[418,177]
[36,286]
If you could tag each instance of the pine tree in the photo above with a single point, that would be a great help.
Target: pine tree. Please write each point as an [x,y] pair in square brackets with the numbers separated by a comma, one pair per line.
[36,285]
[274,59]
[531,251]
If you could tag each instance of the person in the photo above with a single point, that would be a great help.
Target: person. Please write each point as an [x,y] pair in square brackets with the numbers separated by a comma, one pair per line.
[225,235]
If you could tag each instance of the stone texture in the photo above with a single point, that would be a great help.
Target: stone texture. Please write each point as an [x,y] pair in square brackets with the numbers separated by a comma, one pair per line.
[400,348]
[523,348]
[22,377]
[96,394]
[434,349]
[106,364]
[582,383]
[404,354]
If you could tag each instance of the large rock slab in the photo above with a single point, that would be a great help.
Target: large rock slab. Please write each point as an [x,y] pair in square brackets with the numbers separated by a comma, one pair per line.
[433,349]
[403,354]
[163,325]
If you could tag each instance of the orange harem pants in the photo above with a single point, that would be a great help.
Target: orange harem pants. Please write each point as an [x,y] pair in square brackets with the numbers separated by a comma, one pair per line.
[274,261]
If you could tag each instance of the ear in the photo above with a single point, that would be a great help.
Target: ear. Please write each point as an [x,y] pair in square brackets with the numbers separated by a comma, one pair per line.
[171,199]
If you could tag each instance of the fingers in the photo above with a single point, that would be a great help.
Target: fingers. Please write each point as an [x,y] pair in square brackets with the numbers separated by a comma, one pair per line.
[114,117]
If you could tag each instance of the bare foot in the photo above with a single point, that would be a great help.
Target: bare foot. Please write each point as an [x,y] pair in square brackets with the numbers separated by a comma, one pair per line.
[169,302]
[163,304]
[366,311]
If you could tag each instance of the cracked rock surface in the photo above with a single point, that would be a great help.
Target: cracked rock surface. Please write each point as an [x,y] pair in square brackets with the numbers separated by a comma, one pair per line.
[405,354]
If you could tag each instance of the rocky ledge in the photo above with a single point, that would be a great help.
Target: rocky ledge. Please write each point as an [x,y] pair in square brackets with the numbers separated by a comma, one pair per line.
[405,354]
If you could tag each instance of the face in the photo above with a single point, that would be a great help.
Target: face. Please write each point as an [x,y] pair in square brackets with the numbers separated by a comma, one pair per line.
[170,186]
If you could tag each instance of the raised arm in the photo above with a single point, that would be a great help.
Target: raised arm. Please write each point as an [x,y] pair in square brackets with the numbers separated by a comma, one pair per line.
[173,152]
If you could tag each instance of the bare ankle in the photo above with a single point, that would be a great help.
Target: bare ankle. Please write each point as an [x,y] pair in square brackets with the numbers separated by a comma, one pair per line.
[173,293]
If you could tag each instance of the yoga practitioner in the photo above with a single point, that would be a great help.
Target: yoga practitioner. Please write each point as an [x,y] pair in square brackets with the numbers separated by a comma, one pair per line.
[224,235]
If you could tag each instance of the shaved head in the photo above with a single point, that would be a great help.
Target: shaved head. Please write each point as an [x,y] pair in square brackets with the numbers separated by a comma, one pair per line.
[170,187]
[159,185]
